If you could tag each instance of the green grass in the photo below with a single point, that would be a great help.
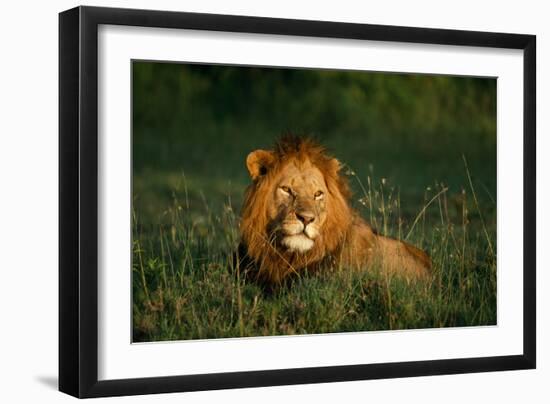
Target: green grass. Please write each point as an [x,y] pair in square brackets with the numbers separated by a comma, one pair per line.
[185,285]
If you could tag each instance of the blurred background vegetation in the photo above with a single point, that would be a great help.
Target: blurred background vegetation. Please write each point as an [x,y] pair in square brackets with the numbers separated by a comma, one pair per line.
[405,137]
[202,121]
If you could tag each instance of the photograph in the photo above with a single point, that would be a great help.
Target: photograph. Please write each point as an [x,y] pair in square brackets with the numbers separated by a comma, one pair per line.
[244,202]
[277,201]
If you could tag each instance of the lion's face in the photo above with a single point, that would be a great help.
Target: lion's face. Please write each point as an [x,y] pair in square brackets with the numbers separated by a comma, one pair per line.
[295,210]
[298,209]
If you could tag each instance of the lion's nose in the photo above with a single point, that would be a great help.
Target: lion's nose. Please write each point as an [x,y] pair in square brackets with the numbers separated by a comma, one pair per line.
[305,217]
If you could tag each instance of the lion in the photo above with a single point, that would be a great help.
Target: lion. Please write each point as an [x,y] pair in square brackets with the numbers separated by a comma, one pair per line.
[296,217]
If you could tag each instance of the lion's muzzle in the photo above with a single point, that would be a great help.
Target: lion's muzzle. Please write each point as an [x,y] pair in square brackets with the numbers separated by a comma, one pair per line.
[299,233]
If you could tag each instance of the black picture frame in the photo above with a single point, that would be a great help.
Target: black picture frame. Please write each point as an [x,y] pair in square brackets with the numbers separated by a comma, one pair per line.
[78,201]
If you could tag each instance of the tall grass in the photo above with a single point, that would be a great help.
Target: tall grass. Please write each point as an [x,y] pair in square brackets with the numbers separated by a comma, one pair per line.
[186,287]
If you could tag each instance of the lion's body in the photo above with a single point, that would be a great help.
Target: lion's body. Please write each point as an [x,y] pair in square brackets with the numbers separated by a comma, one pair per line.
[296,217]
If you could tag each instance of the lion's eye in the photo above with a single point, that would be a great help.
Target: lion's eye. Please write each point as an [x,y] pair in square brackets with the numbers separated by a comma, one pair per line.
[286,189]
[318,195]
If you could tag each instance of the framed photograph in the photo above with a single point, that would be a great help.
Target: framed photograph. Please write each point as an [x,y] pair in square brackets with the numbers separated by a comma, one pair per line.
[251,201]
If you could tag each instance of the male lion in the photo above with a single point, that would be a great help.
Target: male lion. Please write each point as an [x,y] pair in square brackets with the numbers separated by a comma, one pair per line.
[296,217]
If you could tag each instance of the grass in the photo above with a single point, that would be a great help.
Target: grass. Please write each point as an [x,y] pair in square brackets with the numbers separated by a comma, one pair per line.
[185,285]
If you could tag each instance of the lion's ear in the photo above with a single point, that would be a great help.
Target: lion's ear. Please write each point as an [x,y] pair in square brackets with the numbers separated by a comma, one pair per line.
[335,165]
[258,162]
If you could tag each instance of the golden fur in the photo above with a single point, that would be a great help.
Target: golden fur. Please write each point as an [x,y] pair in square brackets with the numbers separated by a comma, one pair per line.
[296,216]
